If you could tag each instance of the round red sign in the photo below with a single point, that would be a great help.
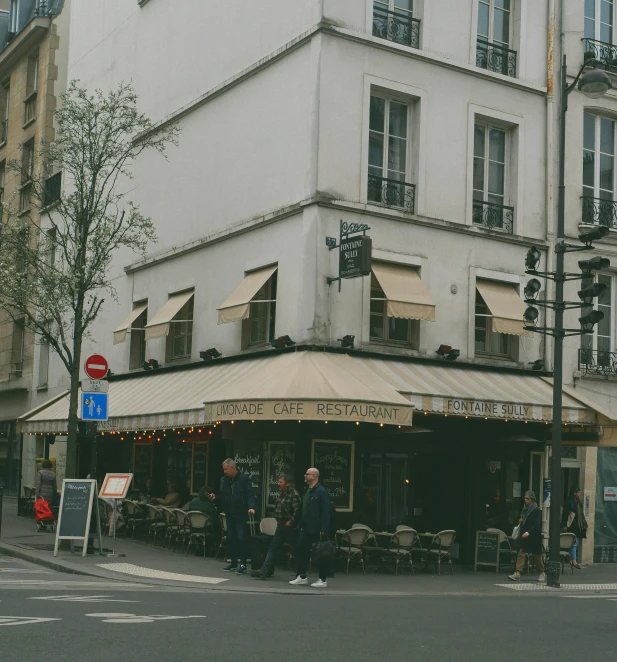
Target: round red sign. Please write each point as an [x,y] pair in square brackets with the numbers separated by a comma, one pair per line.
[96,366]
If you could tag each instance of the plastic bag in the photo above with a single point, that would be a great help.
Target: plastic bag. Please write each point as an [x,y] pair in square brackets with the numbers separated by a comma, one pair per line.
[42,510]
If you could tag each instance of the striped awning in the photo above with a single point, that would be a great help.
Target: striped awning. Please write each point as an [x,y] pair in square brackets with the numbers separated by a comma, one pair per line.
[478,393]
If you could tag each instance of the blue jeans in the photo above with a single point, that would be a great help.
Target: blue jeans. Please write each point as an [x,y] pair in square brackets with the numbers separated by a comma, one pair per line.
[303,554]
[236,538]
[282,535]
[575,550]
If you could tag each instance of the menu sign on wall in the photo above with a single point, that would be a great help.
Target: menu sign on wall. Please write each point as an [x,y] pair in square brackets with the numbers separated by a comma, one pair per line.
[334,460]
[281,460]
[249,459]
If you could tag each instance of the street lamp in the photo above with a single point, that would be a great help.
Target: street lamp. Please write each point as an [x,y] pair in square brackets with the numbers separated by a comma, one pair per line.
[593,84]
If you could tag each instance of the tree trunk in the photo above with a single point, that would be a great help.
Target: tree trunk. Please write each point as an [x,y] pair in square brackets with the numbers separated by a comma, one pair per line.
[71,441]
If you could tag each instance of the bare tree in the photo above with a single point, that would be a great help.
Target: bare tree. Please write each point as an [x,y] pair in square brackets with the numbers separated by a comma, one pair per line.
[57,242]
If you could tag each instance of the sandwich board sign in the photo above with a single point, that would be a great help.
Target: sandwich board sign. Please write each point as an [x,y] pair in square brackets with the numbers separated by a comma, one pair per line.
[79,499]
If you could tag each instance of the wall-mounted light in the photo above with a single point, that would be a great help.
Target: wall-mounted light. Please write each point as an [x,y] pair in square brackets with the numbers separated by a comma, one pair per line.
[532,259]
[347,341]
[210,354]
[281,342]
[448,352]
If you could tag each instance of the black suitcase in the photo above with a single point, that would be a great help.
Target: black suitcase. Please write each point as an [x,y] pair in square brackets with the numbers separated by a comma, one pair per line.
[258,549]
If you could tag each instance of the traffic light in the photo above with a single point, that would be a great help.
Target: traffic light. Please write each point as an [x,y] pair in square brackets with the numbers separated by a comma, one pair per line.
[532,288]
[594,264]
[595,290]
[532,259]
[597,233]
[587,321]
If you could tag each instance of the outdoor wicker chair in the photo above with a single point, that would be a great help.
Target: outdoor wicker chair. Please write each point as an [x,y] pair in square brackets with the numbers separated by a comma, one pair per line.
[566,543]
[353,544]
[134,515]
[156,523]
[268,526]
[171,524]
[223,543]
[200,528]
[401,545]
[183,530]
[441,548]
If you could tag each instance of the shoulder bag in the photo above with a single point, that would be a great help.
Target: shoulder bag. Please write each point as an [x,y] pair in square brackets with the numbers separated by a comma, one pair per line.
[516,532]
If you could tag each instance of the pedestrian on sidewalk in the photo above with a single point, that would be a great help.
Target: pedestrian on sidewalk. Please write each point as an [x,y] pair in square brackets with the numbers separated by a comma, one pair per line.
[531,537]
[287,513]
[573,521]
[46,487]
[236,500]
[315,523]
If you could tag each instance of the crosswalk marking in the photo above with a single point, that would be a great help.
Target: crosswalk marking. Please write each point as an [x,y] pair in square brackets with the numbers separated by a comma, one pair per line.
[23,620]
[134,618]
[81,598]
[137,571]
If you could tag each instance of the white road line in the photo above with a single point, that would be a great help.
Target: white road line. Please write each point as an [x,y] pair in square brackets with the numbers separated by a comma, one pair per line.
[115,617]
[68,584]
[538,586]
[28,571]
[81,598]
[137,571]
[23,620]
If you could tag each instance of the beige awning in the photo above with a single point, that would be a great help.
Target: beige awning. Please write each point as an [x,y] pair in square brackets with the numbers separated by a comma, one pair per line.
[158,326]
[506,307]
[407,297]
[237,305]
[121,331]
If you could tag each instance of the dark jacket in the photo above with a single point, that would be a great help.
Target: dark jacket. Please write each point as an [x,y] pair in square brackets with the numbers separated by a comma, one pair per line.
[46,486]
[236,496]
[578,523]
[318,517]
[532,525]
[205,506]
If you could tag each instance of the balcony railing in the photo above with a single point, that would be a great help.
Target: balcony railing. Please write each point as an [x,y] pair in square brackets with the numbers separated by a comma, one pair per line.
[398,27]
[492,216]
[495,57]
[595,362]
[391,193]
[597,211]
[601,51]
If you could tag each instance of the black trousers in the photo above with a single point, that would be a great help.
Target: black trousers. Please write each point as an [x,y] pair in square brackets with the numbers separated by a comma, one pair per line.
[303,554]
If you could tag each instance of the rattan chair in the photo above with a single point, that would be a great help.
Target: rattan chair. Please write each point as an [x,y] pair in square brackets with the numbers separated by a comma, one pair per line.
[401,545]
[171,524]
[200,528]
[134,515]
[268,526]
[566,543]
[353,544]
[156,523]
[183,531]
[223,543]
[441,548]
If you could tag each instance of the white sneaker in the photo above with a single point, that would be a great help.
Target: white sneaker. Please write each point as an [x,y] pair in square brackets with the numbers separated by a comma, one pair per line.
[542,577]
[320,584]
[515,577]
[299,580]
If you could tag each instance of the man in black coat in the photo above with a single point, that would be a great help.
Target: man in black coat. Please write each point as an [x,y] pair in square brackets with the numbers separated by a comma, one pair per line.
[314,523]
[531,537]
[237,502]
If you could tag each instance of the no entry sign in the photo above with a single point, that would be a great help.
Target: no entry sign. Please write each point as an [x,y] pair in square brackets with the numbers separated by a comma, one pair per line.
[96,366]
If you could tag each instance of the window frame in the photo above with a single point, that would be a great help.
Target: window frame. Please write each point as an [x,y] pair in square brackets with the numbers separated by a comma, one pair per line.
[598,23]
[488,127]
[269,298]
[596,305]
[43,363]
[4,112]
[488,330]
[597,155]
[19,330]
[491,24]
[185,316]
[32,85]
[137,341]
[413,326]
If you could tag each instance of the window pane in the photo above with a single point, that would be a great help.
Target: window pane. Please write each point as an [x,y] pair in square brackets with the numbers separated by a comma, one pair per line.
[606,12]
[483,19]
[398,329]
[607,164]
[478,175]
[398,119]
[378,305]
[501,27]
[377,116]
[497,145]
[375,150]
[605,298]
[588,168]
[397,149]
[589,132]
[407,5]
[607,136]
[496,178]
[590,28]
[478,140]
[590,8]
[480,341]
[606,33]
[604,326]
[376,326]
[503,4]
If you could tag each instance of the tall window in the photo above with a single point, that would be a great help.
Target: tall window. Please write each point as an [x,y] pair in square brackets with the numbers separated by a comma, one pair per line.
[393,20]
[137,354]
[262,314]
[601,340]
[18,343]
[4,112]
[181,332]
[32,81]
[494,21]
[598,170]
[599,20]
[388,159]
[52,246]
[2,178]
[383,328]
[27,172]
[486,340]
[43,373]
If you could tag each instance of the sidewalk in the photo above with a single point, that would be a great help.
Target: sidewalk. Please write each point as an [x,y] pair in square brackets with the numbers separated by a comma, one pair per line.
[137,562]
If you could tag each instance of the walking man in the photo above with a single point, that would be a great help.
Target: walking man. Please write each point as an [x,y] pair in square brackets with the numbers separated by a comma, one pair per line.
[573,520]
[287,512]
[237,501]
[314,523]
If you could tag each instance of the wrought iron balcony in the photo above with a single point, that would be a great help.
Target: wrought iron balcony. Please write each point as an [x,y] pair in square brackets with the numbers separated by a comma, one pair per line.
[595,362]
[493,217]
[495,57]
[391,193]
[398,27]
[597,211]
[602,52]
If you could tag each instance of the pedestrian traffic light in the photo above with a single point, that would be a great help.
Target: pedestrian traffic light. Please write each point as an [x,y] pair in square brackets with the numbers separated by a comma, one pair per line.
[532,260]
[595,290]
[591,318]
[531,315]
[532,288]
[594,264]
[588,238]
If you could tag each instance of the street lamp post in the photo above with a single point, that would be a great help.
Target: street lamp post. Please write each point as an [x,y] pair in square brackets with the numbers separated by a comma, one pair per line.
[593,84]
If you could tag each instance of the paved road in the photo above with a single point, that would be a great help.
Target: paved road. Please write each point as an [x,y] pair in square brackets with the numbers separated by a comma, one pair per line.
[75,617]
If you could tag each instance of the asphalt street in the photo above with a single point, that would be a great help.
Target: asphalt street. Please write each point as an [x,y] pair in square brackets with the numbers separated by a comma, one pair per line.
[45,615]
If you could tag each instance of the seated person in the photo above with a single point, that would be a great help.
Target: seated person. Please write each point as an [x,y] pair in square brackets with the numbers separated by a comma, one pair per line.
[145,493]
[173,498]
[204,504]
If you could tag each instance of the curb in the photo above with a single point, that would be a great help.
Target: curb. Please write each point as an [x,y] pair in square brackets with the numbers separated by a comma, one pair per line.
[58,566]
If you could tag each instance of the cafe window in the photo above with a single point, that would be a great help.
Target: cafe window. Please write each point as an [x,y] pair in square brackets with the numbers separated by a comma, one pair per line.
[180,338]
[392,330]
[262,314]
[486,340]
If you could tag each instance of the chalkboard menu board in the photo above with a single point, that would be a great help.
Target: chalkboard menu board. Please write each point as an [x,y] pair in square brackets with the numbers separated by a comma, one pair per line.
[249,457]
[281,460]
[79,500]
[142,464]
[334,460]
[487,549]
[199,466]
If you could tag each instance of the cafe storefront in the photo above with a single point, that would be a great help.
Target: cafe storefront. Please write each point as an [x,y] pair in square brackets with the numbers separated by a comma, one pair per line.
[396,441]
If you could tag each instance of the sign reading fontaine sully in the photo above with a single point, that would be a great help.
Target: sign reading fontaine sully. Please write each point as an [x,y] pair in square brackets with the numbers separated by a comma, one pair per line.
[313,410]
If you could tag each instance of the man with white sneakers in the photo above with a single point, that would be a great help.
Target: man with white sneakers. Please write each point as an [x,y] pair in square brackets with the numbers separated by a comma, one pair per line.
[314,523]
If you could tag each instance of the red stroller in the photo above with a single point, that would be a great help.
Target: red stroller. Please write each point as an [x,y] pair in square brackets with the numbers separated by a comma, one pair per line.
[43,515]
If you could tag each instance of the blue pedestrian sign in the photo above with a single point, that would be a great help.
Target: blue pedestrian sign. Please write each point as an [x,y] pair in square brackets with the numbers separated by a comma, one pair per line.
[94,406]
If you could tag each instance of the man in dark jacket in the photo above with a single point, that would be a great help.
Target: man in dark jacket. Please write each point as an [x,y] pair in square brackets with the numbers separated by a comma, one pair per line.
[314,523]
[531,537]
[237,500]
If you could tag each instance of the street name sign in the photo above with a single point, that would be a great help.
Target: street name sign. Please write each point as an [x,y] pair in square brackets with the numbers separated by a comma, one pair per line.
[94,406]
